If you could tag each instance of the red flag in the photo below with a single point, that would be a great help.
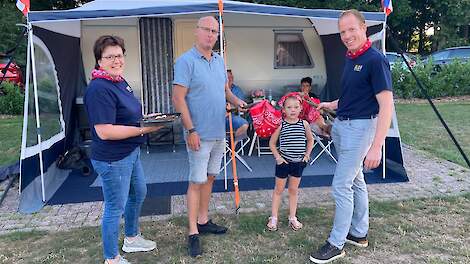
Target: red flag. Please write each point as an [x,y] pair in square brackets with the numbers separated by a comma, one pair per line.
[23,6]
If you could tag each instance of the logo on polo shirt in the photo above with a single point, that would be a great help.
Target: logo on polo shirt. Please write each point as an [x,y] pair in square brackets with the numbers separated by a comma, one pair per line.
[129,89]
[357,68]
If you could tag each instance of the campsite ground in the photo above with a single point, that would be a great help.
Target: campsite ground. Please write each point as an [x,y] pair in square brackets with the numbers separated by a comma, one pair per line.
[433,230]
[423,221]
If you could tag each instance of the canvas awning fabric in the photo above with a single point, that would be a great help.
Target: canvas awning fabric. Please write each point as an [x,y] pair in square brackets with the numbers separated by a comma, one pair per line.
[324,20]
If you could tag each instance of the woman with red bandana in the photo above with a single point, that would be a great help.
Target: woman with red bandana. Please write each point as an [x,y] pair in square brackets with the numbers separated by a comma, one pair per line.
[114,114]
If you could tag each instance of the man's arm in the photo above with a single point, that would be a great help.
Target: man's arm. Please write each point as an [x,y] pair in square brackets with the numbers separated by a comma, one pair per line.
[233,99]
[179,101]
[333,105]
[374,155]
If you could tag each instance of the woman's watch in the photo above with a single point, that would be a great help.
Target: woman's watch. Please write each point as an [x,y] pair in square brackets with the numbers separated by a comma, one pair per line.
[191,130]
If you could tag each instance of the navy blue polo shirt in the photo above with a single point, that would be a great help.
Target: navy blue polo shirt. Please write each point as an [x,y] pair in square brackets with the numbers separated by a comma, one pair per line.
[112,103]
[363,78]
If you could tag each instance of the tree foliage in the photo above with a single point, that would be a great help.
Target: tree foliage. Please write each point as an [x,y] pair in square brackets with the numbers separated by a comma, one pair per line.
[9,32]
[410,20]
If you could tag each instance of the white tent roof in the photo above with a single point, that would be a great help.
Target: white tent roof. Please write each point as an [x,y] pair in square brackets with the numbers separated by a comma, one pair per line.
[324,20]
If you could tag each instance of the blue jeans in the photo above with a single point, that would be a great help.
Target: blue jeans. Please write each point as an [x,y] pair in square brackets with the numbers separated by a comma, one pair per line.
[352,139]
[124,191]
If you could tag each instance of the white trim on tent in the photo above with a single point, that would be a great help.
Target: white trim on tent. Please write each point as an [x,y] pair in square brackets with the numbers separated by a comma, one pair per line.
[25,107]
[36,104]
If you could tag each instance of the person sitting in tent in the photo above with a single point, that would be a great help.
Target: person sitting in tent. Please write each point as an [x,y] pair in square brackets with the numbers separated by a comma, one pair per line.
[114,114]
[239,124]
[309,112]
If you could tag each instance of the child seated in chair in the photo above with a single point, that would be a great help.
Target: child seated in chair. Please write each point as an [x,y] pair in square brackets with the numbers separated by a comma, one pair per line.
[296,144]
[309,112]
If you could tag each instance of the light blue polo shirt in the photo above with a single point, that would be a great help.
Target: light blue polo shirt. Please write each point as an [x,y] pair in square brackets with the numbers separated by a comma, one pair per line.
[205,81]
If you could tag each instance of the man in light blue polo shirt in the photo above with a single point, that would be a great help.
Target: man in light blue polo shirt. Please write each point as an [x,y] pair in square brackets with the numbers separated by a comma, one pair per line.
[200,91]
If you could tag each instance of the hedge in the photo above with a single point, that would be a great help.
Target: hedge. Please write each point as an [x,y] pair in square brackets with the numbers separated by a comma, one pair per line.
[451,79]
[11,99]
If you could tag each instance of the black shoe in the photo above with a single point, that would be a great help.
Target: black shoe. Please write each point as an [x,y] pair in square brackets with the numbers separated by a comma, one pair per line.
[211,228]
[357,241]
[194,245]
[326,254]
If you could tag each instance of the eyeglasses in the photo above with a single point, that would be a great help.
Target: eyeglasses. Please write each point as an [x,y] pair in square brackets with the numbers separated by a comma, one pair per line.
[209,30]
[113,57]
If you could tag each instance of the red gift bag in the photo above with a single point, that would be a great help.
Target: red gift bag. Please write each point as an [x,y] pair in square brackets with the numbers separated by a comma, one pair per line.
[265,118]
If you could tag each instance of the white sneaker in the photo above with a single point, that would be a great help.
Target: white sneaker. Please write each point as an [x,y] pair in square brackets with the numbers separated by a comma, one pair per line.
[120,261]
[138,244]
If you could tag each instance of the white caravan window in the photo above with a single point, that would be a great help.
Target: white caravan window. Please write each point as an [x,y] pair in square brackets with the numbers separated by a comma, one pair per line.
[290,51]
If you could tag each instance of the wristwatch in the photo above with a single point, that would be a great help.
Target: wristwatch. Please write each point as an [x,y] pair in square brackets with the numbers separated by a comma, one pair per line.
[191,130]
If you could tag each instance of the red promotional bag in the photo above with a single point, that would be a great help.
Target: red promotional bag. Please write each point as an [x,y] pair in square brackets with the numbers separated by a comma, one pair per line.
[265,118]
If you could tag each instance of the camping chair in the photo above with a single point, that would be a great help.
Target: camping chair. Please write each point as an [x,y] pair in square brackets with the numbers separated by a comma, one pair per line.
[262,150]
[228,151]
[325,145]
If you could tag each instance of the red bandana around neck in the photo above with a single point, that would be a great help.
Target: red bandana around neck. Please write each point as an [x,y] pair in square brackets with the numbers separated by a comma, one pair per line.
[359,52]
[102,74]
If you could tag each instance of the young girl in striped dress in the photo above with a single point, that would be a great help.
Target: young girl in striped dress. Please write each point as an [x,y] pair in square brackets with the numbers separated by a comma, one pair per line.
[296,143]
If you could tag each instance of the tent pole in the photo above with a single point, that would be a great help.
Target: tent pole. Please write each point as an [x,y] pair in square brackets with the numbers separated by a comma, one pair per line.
[25,106]
[384,37]
[36,104]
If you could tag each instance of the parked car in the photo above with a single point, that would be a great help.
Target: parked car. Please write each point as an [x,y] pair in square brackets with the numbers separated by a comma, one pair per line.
[13,73]
[394,58]
[448,55]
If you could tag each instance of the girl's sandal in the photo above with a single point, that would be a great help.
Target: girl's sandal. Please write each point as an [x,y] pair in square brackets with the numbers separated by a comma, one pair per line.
[272,223]
[295,224]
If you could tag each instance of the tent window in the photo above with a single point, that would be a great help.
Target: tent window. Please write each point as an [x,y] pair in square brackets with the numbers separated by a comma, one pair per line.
[290,51]
[377,44]
[31,136]
[49,112]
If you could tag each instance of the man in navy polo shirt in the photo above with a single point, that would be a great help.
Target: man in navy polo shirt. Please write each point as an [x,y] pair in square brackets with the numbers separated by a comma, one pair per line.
[199,92]
[363,119]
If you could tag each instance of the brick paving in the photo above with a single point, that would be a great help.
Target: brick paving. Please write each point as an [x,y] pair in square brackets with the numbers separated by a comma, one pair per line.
[429,176]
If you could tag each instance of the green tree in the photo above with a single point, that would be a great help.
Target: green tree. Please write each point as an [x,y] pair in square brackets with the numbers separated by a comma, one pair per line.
[453,24]
[9,32]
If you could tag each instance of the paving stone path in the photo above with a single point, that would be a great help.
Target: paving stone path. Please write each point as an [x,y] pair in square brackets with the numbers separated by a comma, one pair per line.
[429,176]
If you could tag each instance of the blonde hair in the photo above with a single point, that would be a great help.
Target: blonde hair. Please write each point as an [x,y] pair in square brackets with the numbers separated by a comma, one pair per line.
[355,13]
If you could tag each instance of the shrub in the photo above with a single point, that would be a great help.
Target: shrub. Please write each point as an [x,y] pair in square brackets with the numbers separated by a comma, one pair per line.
[11,99]
[452,79]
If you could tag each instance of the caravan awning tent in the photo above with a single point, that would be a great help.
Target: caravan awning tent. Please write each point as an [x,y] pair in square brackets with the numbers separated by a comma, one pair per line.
[56,73]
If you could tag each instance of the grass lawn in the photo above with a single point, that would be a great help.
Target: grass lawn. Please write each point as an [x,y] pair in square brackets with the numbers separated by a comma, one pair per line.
[10,135]
[413,231]
[420,128]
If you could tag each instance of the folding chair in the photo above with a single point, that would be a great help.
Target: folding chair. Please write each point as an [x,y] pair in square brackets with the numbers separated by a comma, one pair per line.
[228,151]
[262,150]
[325,145]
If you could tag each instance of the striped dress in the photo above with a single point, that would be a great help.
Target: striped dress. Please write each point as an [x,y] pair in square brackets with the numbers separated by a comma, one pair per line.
[292,141]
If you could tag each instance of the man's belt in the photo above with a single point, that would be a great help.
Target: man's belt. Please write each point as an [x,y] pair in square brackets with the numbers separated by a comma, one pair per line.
[342,118]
